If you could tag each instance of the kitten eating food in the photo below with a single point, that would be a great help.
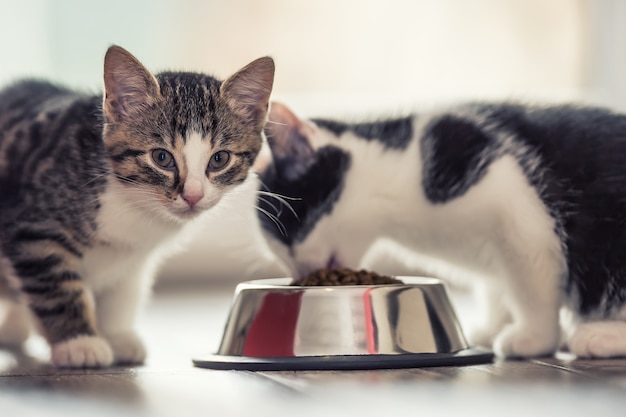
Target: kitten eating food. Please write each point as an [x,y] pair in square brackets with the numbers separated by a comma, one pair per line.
[92,185]
[526,203]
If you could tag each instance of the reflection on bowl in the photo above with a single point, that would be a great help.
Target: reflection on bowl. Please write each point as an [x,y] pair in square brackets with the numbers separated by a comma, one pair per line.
[269,318]
[271,322]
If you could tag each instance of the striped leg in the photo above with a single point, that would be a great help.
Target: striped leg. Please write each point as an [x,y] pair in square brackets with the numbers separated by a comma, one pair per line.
[61,303]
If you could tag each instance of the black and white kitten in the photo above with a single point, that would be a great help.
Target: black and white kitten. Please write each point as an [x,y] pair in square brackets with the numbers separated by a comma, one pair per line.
[527,202]
[91,186]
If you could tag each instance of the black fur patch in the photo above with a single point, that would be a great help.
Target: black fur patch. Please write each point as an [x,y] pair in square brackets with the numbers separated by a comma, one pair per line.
[455,155]
[582,180]
[315,193]
[393,133]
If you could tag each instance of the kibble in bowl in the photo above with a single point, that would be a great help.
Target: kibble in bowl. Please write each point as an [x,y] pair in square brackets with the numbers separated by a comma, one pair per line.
[344,276]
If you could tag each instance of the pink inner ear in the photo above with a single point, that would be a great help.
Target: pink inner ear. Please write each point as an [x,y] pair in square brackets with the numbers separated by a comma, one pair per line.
[129,86]
[127,96]
[289,140]
[281,127]
[281,115]
[247,92]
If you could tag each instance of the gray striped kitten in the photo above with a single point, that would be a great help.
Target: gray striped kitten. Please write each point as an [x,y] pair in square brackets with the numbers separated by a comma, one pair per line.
[91,186]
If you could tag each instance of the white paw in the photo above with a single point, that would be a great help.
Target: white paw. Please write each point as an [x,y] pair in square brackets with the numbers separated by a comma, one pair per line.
[524,342]
[481,336]
[602,339]
[15,326]
[127,348]
[82,352]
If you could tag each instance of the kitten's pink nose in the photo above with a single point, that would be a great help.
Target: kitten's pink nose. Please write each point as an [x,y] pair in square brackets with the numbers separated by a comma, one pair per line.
[193,192]
[192,199]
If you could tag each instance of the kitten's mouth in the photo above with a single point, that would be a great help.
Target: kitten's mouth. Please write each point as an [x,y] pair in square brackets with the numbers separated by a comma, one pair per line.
[333,263]
[188,213]
[183,214]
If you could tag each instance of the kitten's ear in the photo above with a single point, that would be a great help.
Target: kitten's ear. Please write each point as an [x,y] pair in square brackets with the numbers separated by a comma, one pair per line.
[289,141]
[128,85]
[248,91]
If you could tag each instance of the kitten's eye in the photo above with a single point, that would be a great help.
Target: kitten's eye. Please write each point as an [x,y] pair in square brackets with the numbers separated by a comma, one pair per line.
[219,160]
[163,158]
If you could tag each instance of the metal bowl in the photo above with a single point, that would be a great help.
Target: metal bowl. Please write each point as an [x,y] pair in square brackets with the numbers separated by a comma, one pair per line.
[275,326]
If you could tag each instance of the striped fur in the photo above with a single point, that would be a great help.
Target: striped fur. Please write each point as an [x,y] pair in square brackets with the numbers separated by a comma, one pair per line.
[84,201]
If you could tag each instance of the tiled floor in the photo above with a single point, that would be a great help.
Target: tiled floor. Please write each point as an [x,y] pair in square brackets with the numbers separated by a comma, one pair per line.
[183,323]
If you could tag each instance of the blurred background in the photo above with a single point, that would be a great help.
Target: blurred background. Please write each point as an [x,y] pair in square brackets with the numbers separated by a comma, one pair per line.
[335,58]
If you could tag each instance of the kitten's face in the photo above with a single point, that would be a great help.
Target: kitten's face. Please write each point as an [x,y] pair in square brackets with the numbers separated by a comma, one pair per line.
[178,142]
[309,173]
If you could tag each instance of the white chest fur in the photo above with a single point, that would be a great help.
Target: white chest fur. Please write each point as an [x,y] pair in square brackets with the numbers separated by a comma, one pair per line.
[127,235]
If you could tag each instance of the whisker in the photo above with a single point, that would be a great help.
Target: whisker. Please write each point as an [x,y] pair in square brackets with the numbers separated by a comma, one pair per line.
[273,194]
[278,212]
[268,192]
[142,205]
[137,192]
[127,180]
[277,123]
[264,185]
[281,199]
[275,220]
[97,177]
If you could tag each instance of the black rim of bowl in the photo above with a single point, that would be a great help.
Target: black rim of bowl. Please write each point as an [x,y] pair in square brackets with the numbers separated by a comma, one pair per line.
[470,356]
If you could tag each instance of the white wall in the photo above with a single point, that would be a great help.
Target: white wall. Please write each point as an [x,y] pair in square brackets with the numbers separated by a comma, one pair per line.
[416,50]
[334,58]
[23,30]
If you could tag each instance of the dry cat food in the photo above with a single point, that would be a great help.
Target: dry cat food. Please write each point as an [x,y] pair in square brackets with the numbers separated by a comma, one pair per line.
[344,276]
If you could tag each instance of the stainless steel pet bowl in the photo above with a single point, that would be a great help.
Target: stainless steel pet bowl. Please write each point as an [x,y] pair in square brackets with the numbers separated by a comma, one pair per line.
[275,326]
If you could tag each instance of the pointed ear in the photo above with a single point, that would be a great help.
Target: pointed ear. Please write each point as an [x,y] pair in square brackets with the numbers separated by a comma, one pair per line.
[289,141]
[128,85]
[247,92]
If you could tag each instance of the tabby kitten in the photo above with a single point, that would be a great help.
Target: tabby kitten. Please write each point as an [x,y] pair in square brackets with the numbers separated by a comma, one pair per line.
[527,203]
[91,186]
